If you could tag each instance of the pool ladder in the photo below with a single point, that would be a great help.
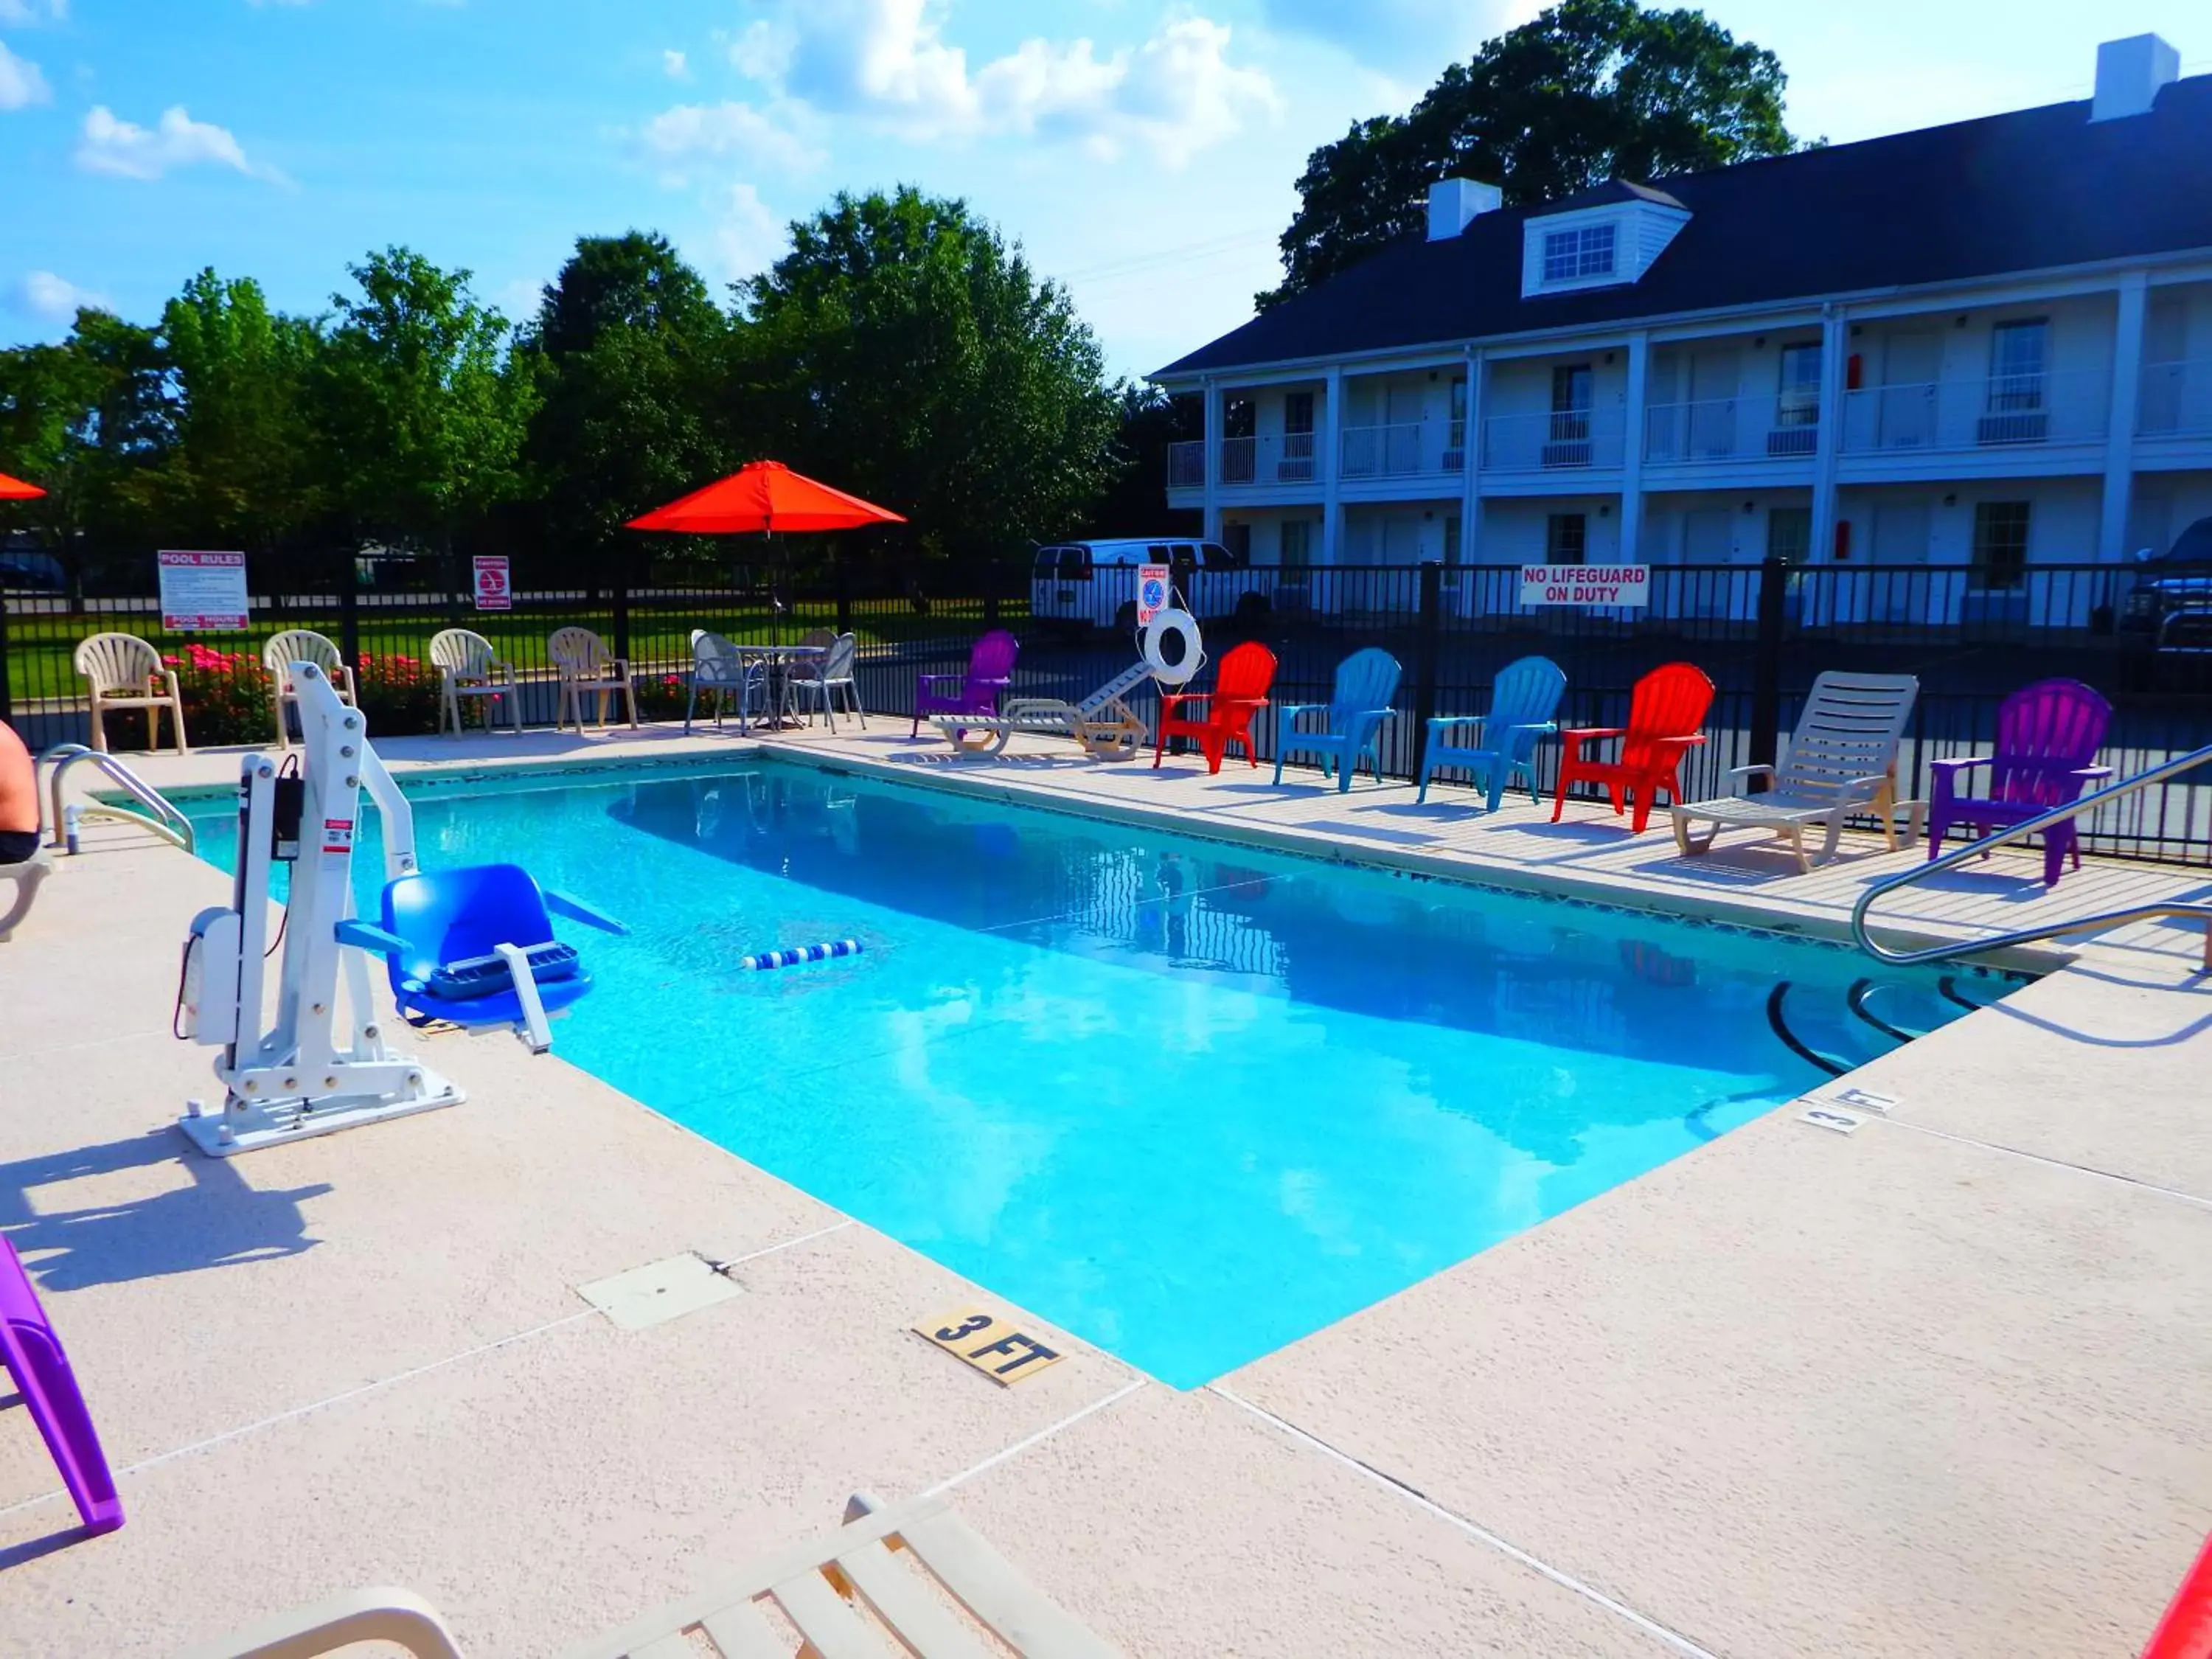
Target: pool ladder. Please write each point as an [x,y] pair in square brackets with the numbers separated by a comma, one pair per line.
[161,817]
[1855,1000]
[2169,910]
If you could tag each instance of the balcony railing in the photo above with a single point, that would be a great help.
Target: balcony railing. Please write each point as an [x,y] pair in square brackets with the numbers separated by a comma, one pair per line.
[2004,411]
[2177,400]
[1728,429]
[1404,450]
[1186,466]
[1564,440]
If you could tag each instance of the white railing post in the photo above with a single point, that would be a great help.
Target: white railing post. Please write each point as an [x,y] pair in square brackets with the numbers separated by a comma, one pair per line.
[2120,420]
[1213,461]
[1827,435]
[1632,459]
[1332,449]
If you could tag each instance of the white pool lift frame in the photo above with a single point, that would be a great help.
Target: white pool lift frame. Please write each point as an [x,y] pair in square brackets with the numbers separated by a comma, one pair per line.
[294,1079]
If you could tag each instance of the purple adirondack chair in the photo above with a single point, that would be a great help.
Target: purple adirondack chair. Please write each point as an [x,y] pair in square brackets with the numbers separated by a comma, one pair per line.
[32,1355]
[2047,738]
[990,671]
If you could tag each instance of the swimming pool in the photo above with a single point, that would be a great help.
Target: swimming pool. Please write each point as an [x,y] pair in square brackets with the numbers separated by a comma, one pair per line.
[1187,1101]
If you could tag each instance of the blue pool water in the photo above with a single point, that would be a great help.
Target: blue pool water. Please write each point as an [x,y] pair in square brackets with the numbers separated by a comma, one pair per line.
[1188,1102]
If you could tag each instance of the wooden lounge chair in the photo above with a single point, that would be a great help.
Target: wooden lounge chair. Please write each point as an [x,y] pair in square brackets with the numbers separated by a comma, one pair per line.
[27,874]
[302,645]
[1522,701]
[125,671]
[843,1595]
[1223,715]
[1105,723]
[1365,682]
[468,666]
[1664,712]
[1841,760]
[587,668]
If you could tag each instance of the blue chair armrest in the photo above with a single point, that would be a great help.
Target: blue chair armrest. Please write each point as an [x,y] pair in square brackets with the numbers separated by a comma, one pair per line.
[1440,723]
[1291,711]
[1541,728]
[367,936]
[563,904]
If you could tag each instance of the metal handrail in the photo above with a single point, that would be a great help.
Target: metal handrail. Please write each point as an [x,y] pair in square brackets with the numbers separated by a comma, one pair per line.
[2169,910]
[169,821]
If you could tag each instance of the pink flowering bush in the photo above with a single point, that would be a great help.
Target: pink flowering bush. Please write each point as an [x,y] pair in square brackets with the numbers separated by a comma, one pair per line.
[660,697]
[225,696]
[399,694]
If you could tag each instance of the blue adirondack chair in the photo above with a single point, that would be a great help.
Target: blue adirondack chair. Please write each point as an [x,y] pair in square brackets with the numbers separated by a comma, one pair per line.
[441,940]
[1365,683]
[1522,701]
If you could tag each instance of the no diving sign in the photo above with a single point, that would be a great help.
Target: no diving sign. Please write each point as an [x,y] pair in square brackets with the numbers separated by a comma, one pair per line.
[1152,591]
[990,1343]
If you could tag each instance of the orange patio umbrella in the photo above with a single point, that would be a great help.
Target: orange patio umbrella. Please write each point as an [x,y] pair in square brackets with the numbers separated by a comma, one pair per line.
[765,496]
[14,489]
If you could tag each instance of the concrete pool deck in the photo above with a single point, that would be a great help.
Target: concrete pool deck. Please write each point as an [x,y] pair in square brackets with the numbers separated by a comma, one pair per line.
[1933,1386]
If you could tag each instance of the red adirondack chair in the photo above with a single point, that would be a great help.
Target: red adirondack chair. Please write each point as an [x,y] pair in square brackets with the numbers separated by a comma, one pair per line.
[1224,714]
[1664,712]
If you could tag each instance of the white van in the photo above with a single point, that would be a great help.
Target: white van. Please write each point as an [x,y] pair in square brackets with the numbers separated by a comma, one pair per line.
[1094,584]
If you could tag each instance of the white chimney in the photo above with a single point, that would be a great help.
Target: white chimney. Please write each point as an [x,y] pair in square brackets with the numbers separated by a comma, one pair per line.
[1454,202]
[2129,72]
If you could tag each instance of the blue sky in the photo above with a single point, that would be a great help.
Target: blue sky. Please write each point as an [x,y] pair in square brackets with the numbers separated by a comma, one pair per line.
[1144,152]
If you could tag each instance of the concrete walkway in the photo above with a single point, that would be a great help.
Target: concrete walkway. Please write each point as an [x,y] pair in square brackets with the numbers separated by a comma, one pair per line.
[1932,1387]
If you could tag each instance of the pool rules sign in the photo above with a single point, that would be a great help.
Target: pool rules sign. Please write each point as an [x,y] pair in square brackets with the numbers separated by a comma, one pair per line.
[202,593]
[1625,585]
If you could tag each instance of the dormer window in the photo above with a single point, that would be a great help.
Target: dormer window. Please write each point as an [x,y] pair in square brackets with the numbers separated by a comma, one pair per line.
[1600,238]
[1578,255]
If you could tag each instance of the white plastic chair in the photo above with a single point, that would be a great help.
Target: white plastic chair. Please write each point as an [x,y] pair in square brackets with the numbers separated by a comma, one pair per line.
[718,666]
[125,671]
[587,667]
[468,666]
[27,874]
[302,645]
[833,679]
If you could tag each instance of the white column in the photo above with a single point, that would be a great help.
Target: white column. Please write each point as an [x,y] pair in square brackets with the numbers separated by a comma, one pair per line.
[1213,461]
[1470,509]
[2120,433]
[1331,440]
[1631,459]
[1828,436]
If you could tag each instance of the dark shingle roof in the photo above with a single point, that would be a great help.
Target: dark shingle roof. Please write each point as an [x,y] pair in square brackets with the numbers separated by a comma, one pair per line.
[2026,190]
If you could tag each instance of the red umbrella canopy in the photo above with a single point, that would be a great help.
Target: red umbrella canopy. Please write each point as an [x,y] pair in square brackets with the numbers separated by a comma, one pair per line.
[765,495]
[14,489]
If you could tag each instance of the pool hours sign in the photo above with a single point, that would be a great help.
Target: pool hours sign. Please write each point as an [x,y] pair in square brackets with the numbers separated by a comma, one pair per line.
[1586,584]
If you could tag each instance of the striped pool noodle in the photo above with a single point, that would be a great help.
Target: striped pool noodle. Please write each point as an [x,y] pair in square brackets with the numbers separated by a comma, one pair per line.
[792,954]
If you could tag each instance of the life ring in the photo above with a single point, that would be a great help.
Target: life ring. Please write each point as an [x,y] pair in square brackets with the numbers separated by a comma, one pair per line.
[1186,661]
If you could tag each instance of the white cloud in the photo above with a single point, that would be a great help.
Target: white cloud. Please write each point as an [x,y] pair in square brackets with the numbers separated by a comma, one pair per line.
[50,298]
[758,139]
[20,83]
[1173,94]
[677,64]
[1414,37]
[748,238]
[131,151]
[29,14]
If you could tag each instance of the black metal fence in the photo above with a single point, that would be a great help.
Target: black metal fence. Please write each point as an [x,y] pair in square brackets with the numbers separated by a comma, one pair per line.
[1762,632]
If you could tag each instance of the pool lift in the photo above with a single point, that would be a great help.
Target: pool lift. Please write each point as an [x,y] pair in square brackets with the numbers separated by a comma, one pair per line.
[473,947]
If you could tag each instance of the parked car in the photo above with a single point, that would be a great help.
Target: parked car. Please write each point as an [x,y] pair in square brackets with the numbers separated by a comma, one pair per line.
[29,570]
[2173,592]
[1094,584]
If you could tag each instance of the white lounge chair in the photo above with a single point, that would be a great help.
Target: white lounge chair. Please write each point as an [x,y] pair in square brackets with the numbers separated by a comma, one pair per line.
[1841,760]
[125,671]
[468,666]
[843,1595]
[27,874]
[1104,723]
[302,645]
[588,668]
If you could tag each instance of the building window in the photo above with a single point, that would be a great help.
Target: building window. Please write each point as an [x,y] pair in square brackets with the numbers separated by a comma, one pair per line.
[2000,544]
[1297,411]
[1566,536]
[1297,544]
[1577,255]
[1789,533]
[2016,354]
[1451,542]
[1797,401]
[1237,539]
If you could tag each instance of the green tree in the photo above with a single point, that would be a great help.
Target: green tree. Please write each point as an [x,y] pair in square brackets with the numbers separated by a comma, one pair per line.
[1591,90]
[902,351]
[628,350]
[243,470]
[424,411]
[1150,421]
